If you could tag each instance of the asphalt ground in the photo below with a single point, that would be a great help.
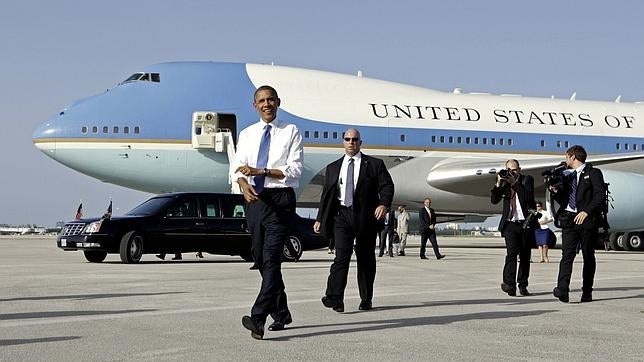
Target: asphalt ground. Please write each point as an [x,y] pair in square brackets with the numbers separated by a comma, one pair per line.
[55,306]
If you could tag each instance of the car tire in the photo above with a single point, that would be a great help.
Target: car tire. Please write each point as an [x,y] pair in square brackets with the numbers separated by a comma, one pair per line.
[131,248]
[95,256]
[612,241]
[292,249]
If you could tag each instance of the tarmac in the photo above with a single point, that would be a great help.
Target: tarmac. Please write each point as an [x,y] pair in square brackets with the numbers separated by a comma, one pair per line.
[55,306]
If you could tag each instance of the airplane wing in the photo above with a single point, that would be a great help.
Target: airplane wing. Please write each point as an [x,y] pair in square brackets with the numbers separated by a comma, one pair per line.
[476,177]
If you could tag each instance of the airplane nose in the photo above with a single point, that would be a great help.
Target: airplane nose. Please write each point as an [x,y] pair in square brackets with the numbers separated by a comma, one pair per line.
[44,138]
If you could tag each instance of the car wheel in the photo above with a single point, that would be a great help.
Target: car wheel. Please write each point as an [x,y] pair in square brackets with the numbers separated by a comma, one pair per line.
[95,256]
[613,241]
[292,249]
[131,248]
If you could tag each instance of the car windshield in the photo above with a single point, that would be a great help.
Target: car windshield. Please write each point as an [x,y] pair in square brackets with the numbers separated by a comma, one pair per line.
[151,206]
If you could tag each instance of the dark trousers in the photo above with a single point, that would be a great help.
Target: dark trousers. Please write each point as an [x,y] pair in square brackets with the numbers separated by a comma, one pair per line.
[518,241]
[269,220]
[383,240]
[344,233]
[571,237]
[431,236]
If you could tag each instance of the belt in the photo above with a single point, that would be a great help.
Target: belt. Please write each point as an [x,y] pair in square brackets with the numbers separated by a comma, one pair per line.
[346,207]
[519,222]
[273,190]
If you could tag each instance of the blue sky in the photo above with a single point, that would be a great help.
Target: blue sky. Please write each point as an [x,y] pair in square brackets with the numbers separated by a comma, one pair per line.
[54,52]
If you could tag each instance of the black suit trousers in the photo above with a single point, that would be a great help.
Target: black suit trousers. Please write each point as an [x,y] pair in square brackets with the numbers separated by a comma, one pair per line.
[269,220]
[344,234]
[383,240]
[571,237]
[518,242]
[431,236]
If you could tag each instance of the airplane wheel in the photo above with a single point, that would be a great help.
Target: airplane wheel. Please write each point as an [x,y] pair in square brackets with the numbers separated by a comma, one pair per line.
[95,256]
[626,240]
[634,242]
[131,248]
[292,249]
[612,241]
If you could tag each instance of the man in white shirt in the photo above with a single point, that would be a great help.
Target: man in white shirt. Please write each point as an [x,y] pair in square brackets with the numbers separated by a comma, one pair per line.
[267,166]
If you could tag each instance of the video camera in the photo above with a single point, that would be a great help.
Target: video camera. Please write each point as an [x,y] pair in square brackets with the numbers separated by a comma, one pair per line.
[532,219]
[505,173]
[555,177]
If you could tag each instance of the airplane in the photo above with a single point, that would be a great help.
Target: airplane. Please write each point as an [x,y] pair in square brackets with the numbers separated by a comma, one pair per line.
[173,127]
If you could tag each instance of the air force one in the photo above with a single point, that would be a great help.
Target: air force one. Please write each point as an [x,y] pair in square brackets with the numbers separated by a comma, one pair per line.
[173,127]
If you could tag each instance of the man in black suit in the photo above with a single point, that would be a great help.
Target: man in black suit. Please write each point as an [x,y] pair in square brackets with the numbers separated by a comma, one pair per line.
[517,192]
[357,194]
[427,229]
[579,216]
[388,231]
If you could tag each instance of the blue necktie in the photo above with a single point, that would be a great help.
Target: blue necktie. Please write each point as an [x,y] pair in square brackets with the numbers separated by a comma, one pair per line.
[262,157]
[572,197]
[348,191]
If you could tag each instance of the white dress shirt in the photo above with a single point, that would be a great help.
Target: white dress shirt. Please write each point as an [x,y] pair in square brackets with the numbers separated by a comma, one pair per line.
[343,174]
[285,153]
[579,170]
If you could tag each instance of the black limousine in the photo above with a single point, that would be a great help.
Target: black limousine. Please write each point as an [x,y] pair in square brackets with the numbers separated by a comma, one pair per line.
[179,223]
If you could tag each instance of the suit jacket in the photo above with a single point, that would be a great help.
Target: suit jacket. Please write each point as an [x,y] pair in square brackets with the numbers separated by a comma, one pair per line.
[524,187]
[374,187]
[426,220]
[591,195]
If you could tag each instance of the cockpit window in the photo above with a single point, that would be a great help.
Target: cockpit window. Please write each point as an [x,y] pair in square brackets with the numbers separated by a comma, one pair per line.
[143,77]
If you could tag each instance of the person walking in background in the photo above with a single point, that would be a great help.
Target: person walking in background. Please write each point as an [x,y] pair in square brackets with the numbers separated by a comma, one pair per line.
[517,192]
[387,234]
[428,229]
[267,166]
[542,233]
[403,228]
[357,194]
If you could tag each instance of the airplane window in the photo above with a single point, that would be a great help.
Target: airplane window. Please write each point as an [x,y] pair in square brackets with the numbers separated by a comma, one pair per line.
[116,129]
[316,134]
[325,134]
[442,139]
[543,143]
[335,135]
[94,129]
[484,141]
[617,146]
[509,141]
[133,77]
[634,147]
[626,146]
[155,77]
[84,129]
[126,129]
[501,141]
[306,134]
[402,138]
[106,129]
[433,139]
[566,144]
[558,144]
[467,140]
[450,139]
[137,130]
[476,140]
[492,141]
[145,76]
[459,140]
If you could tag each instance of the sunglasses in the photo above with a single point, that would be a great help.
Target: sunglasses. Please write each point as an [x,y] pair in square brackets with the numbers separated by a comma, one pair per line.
[351,139]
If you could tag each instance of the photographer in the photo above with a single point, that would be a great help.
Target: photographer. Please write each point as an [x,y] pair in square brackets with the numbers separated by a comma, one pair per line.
[580,197]
[517,193]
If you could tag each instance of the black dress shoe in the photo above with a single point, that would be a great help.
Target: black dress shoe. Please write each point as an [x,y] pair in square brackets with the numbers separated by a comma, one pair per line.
[365,305]
[423,257]
[509,289]
[561,294]
[524,291]
[280,325]
[402,253]
[440,256]
[380,255]
[255,327]
[586,297]
[337,306]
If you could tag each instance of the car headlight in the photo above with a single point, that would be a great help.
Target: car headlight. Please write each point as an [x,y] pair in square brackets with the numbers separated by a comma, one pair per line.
[93,227]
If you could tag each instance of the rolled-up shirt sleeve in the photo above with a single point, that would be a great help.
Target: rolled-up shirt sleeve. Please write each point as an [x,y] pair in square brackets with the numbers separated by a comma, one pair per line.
[240,159]
[294,160]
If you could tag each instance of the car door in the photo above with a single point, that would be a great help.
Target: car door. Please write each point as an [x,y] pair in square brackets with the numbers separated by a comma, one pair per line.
[234,224]
[182,225]
[215,227]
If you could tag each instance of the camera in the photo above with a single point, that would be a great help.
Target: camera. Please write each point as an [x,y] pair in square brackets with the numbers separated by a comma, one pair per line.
[555,177]
[532,219]
[505,173]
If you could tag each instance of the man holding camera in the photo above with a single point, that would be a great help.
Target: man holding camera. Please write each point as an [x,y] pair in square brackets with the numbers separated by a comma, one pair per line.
[580,199]
[517,192]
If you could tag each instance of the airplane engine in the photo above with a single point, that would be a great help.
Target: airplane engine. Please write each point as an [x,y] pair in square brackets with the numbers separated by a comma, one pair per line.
[627,199]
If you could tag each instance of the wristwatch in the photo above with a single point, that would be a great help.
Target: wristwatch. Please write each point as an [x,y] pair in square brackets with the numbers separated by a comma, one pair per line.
[266,172]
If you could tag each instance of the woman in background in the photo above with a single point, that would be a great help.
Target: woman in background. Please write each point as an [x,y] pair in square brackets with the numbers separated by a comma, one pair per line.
[543,232]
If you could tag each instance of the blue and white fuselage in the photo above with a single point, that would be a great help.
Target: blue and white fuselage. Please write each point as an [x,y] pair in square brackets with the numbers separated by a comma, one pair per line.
[141,133]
